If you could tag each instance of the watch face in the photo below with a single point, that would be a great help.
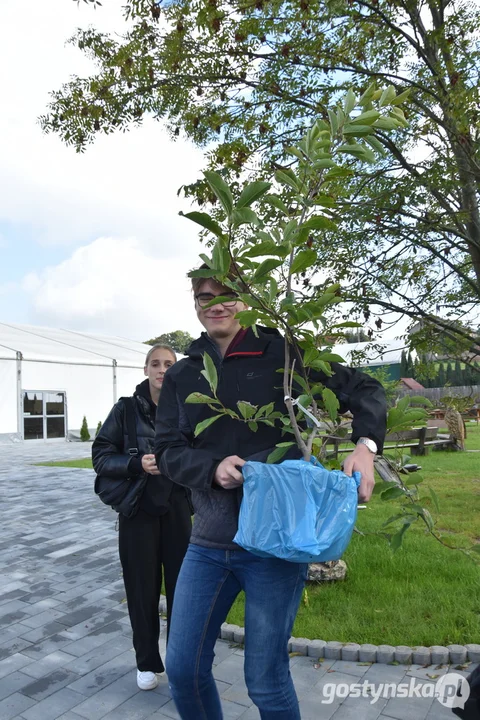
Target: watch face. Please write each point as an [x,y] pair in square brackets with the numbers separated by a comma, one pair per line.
[369,443]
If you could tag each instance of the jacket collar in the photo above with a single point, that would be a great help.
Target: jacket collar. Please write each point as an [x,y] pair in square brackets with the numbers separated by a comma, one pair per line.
[245,345]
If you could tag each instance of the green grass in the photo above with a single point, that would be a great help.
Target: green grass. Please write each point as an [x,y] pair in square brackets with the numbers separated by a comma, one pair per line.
[424,594]
[81,463]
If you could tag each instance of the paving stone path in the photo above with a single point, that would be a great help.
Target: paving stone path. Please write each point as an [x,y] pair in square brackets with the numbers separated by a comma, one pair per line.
[65,638]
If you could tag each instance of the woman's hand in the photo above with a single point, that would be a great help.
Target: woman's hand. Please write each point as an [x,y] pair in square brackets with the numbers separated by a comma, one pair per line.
[149,465]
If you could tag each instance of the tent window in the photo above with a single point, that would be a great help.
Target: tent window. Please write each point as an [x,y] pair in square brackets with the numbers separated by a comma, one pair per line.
[43,415]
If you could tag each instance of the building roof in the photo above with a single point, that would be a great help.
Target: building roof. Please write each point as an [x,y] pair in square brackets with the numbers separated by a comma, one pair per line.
[57,345]
[412,384]
[363,354]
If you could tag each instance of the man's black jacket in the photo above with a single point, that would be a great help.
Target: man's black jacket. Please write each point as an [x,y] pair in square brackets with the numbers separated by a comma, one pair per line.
[247,372]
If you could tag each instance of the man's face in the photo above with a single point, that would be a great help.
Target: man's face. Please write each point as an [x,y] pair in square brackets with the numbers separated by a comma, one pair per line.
[219,321]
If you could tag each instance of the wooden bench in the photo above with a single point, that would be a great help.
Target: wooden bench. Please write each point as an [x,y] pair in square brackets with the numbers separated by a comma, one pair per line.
[418,440]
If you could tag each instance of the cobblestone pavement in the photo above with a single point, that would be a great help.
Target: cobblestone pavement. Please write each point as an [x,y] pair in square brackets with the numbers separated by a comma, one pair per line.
[65,638]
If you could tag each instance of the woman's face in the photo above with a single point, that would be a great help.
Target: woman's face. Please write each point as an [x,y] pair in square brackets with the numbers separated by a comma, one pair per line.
[159,362]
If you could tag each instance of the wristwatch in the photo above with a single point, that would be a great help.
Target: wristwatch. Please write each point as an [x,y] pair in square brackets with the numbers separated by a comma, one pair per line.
[371,445]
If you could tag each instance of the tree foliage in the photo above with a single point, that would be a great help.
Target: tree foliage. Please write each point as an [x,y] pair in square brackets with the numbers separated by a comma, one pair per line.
[246,77]
[179,340]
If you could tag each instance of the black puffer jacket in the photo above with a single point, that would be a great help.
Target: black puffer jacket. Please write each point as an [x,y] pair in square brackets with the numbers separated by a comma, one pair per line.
[247,372]
[110,458]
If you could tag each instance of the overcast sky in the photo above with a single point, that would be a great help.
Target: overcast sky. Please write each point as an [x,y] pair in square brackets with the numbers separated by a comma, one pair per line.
[88,242]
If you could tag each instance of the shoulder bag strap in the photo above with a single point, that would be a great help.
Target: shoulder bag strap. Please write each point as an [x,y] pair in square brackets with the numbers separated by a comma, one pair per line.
[131,426]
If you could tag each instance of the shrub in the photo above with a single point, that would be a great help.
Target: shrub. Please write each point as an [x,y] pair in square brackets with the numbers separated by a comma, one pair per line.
[98,428]
[84,434]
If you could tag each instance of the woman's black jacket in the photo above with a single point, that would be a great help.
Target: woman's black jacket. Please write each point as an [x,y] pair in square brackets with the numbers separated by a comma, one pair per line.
[110,456]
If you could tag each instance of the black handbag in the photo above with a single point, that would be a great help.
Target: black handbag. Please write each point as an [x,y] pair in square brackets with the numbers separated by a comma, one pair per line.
[123,495]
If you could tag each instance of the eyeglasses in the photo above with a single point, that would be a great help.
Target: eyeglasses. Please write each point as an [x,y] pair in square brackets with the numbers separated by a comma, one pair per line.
[205,298]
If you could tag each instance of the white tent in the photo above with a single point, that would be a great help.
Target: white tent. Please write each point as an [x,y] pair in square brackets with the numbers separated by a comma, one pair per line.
[51,378]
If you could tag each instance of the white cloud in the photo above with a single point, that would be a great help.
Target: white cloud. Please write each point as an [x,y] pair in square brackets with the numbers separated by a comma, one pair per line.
[115,286]
[125,184]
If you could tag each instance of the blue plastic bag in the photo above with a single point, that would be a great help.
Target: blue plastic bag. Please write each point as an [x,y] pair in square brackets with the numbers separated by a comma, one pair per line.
[297,511]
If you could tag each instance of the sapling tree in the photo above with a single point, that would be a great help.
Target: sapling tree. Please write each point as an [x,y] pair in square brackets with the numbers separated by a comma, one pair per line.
[263,255]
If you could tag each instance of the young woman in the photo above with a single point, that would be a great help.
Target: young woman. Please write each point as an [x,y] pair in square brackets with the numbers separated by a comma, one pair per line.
[154,530]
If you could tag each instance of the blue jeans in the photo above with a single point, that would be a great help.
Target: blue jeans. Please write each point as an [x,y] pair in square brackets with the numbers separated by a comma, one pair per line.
[208,583]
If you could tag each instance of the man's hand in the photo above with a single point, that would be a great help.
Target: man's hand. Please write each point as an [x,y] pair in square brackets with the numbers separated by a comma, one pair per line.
[149,465]
[361,459]
[227,475]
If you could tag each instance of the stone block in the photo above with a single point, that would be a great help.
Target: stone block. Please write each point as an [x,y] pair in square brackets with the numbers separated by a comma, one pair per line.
[422,656]
[458,654]
[333,650]
[367,653]
[350,651]
[440,654]
[316,648]
[385,654]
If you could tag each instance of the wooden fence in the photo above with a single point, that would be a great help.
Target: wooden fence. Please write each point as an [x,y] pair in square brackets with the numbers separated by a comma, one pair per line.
[436,394]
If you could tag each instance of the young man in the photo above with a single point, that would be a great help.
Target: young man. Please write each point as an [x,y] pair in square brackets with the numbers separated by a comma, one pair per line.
[215,570]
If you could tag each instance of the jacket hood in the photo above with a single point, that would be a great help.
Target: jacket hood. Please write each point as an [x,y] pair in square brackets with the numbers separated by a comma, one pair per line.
[143,390]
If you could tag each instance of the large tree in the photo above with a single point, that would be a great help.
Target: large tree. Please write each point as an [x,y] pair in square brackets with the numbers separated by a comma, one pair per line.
[245,77]
[179,340]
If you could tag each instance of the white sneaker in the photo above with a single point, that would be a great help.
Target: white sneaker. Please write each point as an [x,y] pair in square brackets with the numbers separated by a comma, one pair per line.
[147,680]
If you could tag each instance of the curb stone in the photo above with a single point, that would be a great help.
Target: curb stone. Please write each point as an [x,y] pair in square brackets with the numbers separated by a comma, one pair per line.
[381,654]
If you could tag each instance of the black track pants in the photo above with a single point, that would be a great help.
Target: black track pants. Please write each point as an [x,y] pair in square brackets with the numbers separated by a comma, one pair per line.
[146,543]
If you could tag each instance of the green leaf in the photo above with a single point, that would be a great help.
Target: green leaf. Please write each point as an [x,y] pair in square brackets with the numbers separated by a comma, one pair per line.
[202,273]
[396,540]
[366,118]
[333,121]
[252,192]
[324,201]
[247,410]
[220,257]
[358,130]
[434,498]
[247,318]
[204,424]
[331,357]
[401,98]
[279,452]
[244,216]
[413,479]
[199,398]
[277,203]
[285,179]
[265,410]
[387,96]
[376,145]
[221,190]
[319,222]
[265,268]
[358,151]
[392,493]
[303,260]
[273,290]
[253,426]
[210,372]
[331,403]
[268,247]
[324,163]
[384,123]
[205,221]
[349,101]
